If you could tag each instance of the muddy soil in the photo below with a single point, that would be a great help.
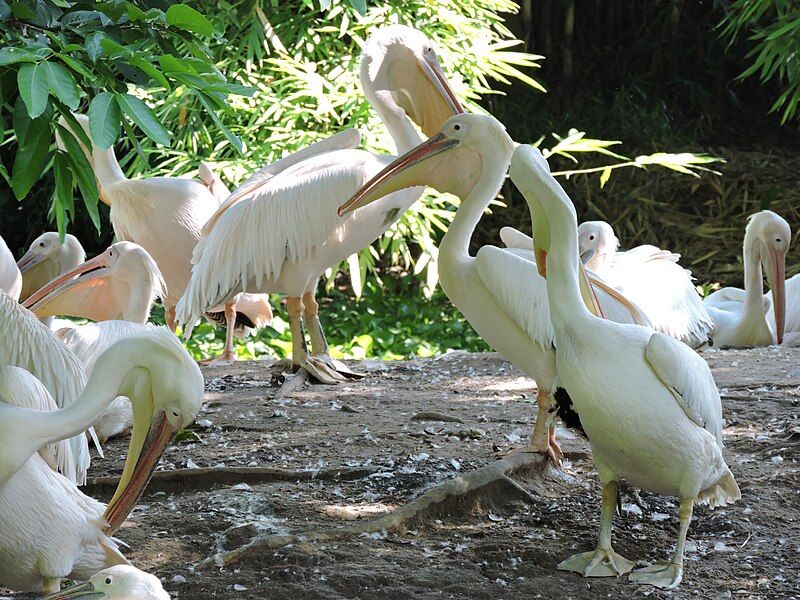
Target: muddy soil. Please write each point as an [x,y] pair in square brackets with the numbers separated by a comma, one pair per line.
[372,448]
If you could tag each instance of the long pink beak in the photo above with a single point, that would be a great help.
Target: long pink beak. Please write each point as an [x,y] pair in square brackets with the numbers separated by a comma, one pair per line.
[65,281]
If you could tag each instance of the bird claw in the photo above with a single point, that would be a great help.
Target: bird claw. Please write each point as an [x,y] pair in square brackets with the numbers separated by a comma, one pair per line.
[599,563]
[320,372]
[667,575]
[339,367]
[226,358]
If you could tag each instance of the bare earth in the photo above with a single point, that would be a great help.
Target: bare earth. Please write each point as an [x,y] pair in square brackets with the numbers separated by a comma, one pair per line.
[370,455]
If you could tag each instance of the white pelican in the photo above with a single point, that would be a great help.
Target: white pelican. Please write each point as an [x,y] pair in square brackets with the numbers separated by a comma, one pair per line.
[10,277]
[792,326]
[27,343]
[740,316]
[164,215]
[497,289]
[648,403]
[46,259]
[279,231]
[122,582]
[49,530]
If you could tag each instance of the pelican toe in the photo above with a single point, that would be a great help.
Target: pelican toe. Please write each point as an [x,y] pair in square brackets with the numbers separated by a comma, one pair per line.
[666,575]
[599,563]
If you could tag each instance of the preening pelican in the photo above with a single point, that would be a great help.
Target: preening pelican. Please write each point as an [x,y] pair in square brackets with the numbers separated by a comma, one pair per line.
[121,283]
[497,289]
[49,530]
[163,215]
[647,403]
[27,343]
[10,277]
[279,231]
[122,582]
[46,259]
[740,316]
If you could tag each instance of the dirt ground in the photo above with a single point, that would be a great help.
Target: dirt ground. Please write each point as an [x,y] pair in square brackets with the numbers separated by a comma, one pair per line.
[370,455]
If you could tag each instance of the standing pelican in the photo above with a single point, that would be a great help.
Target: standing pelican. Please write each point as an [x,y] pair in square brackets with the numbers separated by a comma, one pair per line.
[46,259]
[279,231]
[648,403]
[122,582]
[495,289]
[10,277]
[740,316]
[49,530]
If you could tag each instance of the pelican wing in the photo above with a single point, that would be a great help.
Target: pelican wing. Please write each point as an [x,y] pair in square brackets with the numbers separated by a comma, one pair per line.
[288,218]
[21,389]
[514,238]
[688,377]
[792,325]
[344,140]
[89,341]
[10,277]
[26,343]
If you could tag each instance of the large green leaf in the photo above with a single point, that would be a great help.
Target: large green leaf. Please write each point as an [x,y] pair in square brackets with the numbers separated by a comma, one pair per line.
[104,119]
[233,139]
[33,87]
[62,194]
[93,47]
[83,173]
[9,56]
[31,156]
[144,118]
[62,85]
[185,17]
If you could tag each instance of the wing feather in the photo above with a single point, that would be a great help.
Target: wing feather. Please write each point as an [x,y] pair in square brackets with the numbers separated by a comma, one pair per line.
[10,277]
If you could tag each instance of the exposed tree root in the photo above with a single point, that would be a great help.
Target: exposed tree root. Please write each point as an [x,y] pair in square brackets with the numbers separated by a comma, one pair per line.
[292,384]
[184,480]
[481,488]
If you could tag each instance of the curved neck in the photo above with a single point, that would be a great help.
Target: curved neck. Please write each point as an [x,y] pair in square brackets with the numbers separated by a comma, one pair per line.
[140,300]
[753,277]
[106,167]
[396,121]
[459,234]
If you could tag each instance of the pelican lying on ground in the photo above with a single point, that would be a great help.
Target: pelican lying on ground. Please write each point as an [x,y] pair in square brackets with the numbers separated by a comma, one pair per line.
[791,335]
[163,215]
[10,277]
[496,290]
[647,403]
[122,582]
[49,530]
[740,316]
[279,231]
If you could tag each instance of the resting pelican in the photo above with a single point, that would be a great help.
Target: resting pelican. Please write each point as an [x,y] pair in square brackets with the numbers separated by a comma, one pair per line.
[46,259]
[49,530]
[27,343]
[740,315]
[495,289]
[164,215]
[287,218]
[792,326]
[122,582]
[10,277]
[648,403]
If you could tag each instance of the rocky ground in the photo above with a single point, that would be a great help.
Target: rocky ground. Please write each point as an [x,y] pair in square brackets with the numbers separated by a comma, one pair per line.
[323,457]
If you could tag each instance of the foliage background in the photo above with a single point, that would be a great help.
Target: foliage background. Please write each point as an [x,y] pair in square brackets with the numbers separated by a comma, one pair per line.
[662,76]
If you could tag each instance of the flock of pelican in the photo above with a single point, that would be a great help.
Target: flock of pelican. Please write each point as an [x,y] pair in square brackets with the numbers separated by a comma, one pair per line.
[609,336]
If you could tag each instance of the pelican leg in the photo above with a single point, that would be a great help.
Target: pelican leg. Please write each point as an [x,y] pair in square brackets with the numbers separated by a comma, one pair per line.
[319,345]
[543,439]
[316,368]
[603,562]
[169,316]
[228,355]
[51,585]
[668,574]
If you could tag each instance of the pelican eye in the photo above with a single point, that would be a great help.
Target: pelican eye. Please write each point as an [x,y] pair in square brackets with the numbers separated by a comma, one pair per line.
[108,580]
[457,127]
[41,244]
[175,414]
[591,237]
[778,240]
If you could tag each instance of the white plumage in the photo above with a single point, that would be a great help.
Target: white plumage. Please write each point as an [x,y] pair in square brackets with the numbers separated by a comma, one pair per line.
[122,582]
[10,277]
[46,259]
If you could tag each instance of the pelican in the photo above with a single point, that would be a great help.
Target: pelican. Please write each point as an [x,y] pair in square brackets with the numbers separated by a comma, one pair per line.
[648,403]
[49,530]
[122,582]
[495,289]
[10,277]
[163,215]
[46,259]
[792,326]
[740,316]
[279,231]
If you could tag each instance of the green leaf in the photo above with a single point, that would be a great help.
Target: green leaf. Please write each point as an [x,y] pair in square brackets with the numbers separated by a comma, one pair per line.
[31,157]
[185,17]
[21,11]
[9,56]
[104,119]
[75,65]
[144,118]
[360,6]
[93,47]
[77,128]
[604,177]
[149,69]
[233,139]
[114,50]
[83,173]
[62,85]
[32,82]
[62,194]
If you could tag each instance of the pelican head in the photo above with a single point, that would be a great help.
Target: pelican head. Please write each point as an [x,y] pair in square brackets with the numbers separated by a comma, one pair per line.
[46,258]
[767,237]
[166,393]
[450,161]
[122,582]
[596,243]
[401,61]
[120,283]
